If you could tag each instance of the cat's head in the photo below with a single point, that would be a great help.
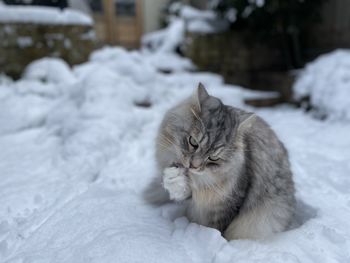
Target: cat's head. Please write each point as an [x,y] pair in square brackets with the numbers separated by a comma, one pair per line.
[203,132]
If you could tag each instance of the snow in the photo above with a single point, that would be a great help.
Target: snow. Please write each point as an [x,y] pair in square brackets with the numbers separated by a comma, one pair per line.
[231,15]
[76,153]
[327,82]
[189,12]
[159,48]
[184,19]
[43,15]
[258,3]
[168,39]
[200,26]
[168,62]
[202,21]
[49,69]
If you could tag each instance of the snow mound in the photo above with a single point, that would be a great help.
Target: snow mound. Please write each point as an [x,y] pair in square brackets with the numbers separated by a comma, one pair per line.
[327,82]
[54,70]
[131,65]
[43,15]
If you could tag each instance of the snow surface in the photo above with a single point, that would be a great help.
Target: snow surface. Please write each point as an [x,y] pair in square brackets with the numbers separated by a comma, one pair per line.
[43,15]
[77,152]
[327,81]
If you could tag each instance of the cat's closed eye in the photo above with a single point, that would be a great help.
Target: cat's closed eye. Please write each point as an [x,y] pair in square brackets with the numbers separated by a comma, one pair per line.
[192,142]
[213,159]
[211,164]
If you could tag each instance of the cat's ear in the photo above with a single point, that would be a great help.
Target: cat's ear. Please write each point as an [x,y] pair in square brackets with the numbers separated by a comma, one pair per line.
[200,95]
[246,121]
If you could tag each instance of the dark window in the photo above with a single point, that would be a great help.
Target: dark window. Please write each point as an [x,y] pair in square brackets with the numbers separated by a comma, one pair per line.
[125,7]
[96,6]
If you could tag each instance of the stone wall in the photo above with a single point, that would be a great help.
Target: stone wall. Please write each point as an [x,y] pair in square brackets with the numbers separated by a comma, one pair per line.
[22,43]
[240,61]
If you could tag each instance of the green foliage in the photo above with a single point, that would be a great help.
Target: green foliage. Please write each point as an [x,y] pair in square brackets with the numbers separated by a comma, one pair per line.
[287,20]
[274,16]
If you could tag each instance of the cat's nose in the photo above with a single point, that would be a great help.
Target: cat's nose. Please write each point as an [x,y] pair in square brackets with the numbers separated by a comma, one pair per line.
[195,163]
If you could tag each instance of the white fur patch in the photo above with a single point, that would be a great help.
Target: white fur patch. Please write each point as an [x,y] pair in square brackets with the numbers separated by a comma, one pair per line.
[176,183]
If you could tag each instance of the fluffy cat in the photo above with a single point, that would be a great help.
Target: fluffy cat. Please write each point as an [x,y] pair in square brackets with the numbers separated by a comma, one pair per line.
[228,163]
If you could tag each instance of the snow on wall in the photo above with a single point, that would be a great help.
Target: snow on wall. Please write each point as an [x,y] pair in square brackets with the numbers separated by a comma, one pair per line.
[327,82]
[43,15]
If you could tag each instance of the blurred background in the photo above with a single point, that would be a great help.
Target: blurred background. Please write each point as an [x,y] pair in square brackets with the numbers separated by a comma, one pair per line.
[259,44]
[84,85]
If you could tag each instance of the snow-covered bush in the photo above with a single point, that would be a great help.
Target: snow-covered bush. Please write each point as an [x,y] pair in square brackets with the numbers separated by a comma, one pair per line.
[183,18]
[280,23]
[164,46]
[167,39]
[326,81]
[202,21]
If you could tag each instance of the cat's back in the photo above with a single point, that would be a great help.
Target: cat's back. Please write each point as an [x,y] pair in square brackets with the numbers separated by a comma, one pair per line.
[266,161]
[269,202]
[259,137]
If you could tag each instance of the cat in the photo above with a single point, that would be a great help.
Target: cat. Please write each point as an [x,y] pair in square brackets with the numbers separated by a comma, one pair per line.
[228,163]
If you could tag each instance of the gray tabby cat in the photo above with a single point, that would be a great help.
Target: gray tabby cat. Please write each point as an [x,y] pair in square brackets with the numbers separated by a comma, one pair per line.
[229,163]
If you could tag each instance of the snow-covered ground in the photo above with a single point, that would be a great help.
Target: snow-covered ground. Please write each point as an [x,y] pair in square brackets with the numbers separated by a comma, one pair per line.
[76,153]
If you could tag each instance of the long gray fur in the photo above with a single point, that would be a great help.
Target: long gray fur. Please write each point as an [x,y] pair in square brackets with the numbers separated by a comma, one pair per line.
[246,191]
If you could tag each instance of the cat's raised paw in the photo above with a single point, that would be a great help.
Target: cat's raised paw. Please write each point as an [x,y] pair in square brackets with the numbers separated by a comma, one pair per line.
[176,183]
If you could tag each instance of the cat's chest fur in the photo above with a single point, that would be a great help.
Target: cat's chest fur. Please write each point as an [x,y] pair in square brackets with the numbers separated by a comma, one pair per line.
[199,208]
[208,207]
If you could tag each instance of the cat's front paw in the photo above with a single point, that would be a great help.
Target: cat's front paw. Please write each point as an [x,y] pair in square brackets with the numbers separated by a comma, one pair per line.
[176,183]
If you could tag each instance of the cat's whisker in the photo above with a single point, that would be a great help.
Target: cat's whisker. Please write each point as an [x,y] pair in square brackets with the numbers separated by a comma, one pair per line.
[163,145]
[163,142]
[166,138]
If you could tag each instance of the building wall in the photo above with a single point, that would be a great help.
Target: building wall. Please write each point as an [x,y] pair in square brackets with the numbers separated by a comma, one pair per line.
[152,14]
[22,43]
